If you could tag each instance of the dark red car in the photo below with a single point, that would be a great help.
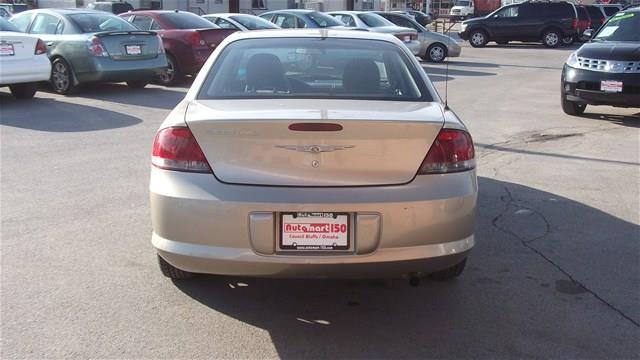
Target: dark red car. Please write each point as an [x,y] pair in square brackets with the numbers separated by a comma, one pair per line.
[188,39]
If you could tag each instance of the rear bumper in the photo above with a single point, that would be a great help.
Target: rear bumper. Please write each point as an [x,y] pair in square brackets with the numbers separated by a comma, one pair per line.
[244,262]
[204,226]
[34,69]
[454,50]
[105,69]
[583,86]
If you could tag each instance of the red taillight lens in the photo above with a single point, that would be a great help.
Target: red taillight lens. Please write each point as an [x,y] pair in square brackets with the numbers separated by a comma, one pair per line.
[176,148]
[41,48]
[195,39]
[452,151]
[575,23]
[96,48]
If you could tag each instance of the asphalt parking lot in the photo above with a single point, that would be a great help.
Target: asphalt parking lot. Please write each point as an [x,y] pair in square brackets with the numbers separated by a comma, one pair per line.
[554,274]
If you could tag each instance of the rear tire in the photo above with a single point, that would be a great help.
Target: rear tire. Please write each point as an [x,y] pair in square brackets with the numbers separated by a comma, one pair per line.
[551,38]
[478,38]
[62,77]
[449,273]
[436,53]
[137,84]
[172,76]
[23,91]
[572,108]
[171,271]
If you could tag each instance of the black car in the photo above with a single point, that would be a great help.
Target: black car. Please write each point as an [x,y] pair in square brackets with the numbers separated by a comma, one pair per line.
[548,22]
[606,70]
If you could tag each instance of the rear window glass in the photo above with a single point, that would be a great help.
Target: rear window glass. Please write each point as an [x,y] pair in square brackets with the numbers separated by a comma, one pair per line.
[185,20]
[314,68]
[96,22]
[373,20]
[253,22]
[610,10]
[7,26]
[323,20]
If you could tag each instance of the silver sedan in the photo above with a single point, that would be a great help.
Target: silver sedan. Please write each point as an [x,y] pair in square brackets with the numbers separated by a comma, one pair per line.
[368,21]
[434,47]
[313,153]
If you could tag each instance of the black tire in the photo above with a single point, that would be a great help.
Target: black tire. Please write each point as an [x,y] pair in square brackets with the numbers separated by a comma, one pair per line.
[62,77]
[172,272]
[172,76]
[568,40]
[449,273]
[552,38]
[435,53]
[137,84]
[23,91]
[478,38]
[572,108]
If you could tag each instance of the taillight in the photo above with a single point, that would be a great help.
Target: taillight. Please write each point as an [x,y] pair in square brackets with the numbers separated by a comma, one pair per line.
[195,39]
[41,48]
[574,23]
[176,148]
[160,45]
[452,151]
[96,48]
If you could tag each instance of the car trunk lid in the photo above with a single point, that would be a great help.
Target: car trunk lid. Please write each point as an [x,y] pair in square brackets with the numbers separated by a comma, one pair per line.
[368,143]
[130,45]
[17,47]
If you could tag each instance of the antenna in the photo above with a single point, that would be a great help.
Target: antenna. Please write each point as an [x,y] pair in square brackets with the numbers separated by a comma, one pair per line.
[446,73]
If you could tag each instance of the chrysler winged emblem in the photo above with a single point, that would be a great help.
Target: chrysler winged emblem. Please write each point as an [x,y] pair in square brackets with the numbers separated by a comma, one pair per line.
[315,149]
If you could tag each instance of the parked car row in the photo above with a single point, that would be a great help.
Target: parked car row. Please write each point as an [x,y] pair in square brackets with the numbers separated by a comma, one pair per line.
[139,47]
[422,42]
[552,23]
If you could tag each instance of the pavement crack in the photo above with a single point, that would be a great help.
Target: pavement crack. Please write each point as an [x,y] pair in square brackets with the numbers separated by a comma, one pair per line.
[509,201]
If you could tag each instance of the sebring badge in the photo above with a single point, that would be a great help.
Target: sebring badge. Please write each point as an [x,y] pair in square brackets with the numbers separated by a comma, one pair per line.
[315,149]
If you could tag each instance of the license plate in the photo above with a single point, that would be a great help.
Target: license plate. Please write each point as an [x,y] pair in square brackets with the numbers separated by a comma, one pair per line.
[7,50]
[611,86]
[314,231]
[133,49]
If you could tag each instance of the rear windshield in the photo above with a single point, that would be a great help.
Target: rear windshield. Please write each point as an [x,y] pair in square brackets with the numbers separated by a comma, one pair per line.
[373,20]
[187,20]
[97,22]
[314,68]
[253,22]
[7,26]
[622,27]
[323,20]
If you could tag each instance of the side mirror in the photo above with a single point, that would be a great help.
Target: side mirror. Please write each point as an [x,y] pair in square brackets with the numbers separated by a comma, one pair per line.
[588,33]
